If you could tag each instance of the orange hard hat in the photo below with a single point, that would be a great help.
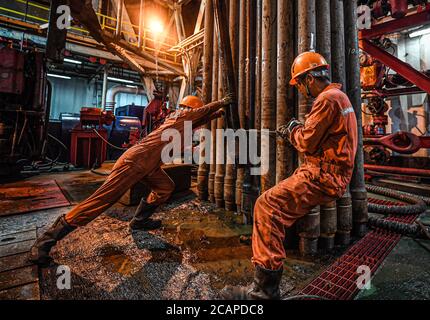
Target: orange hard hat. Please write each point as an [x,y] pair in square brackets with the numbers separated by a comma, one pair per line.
[306,62]
[192,102]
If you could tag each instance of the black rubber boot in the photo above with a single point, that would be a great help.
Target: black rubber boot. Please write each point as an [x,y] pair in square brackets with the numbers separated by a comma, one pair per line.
[264,287]
[142,220]
[39,252]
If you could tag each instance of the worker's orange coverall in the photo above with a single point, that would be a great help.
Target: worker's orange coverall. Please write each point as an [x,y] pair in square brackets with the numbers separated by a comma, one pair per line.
[142,162]
[328,141]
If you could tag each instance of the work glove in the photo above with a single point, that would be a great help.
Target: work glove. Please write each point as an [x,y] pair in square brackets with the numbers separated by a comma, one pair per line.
[286,130]
[228,99]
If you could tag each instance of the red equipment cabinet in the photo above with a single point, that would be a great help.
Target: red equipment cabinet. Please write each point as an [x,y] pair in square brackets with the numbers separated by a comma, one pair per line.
[11,71]
[88,145]
[87,148]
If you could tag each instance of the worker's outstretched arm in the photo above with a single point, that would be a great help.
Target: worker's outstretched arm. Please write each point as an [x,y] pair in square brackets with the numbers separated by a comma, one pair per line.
[208,118]
[197,115]
[308,137]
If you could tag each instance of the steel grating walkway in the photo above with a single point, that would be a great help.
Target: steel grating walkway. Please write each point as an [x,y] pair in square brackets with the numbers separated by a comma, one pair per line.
[339,281]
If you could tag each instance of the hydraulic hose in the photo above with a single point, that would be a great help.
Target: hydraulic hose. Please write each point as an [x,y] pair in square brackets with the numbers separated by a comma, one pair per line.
[416,230]
[423,198]
[416,206]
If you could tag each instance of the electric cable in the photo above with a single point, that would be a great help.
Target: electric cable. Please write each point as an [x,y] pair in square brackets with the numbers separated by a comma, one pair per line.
[107,142]
[57,140]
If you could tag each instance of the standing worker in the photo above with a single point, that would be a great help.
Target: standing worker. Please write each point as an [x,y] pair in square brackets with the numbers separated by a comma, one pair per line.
[142,162]
[328,142]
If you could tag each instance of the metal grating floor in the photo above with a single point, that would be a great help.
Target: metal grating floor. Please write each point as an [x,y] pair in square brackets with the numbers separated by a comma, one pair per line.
[339,281]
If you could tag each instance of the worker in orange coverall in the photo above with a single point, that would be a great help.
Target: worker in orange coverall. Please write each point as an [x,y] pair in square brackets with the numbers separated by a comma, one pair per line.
[328,142]
[141,162]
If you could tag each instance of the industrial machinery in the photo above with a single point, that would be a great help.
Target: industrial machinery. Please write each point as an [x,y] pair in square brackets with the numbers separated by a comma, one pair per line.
[126,131]
[24,107]
[384,78]
[88,138]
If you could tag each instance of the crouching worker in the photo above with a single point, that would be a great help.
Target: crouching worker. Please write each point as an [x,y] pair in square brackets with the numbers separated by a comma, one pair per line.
[141,162]
[328,142]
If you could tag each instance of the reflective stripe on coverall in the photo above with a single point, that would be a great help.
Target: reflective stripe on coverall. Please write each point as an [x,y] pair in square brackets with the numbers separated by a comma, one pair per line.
[141,162]
[328,140]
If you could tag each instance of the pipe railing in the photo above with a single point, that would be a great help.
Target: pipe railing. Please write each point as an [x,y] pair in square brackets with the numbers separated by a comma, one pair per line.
[107,23]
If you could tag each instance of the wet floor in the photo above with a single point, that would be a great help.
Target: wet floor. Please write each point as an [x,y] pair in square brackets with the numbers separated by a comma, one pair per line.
[198,251]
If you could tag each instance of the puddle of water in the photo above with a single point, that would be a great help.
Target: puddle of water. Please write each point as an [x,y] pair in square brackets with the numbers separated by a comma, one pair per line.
[115,260]
[212,243]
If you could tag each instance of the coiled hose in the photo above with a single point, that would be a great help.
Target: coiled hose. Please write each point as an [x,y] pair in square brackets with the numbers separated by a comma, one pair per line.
[416,230]
[416,206]
[423,198]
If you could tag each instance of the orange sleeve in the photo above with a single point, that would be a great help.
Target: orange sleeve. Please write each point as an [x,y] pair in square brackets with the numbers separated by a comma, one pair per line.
[200,113]
[208,118]
[307,138]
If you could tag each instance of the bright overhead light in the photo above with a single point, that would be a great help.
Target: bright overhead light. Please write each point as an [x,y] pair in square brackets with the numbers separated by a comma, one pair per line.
[156,26]
[72,61]
[58,76]
[120,80]
[129,86]
[418,33]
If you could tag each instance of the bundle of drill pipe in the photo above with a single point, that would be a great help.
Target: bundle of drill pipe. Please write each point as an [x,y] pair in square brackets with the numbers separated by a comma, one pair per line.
[251,58]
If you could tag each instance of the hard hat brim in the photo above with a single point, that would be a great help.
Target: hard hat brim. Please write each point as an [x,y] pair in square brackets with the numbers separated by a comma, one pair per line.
[293,81]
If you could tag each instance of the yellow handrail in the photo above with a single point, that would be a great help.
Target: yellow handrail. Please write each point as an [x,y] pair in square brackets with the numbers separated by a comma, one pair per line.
[36,17]
[104,19]
[103,16]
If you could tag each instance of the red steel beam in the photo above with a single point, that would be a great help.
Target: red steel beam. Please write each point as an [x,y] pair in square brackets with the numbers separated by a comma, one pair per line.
[402,68]
[420,17]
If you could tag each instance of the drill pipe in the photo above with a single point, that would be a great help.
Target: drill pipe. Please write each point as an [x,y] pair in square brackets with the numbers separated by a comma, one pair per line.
[230,170]
[215,73]
[306,34]
[328,226]
[256,181]
[344,220]
[268,99]
[338,63]
[249,196]
[202,174]
[226,62]
[285,92]
[328,212]
[357,185]
[220,150]
[323,29]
